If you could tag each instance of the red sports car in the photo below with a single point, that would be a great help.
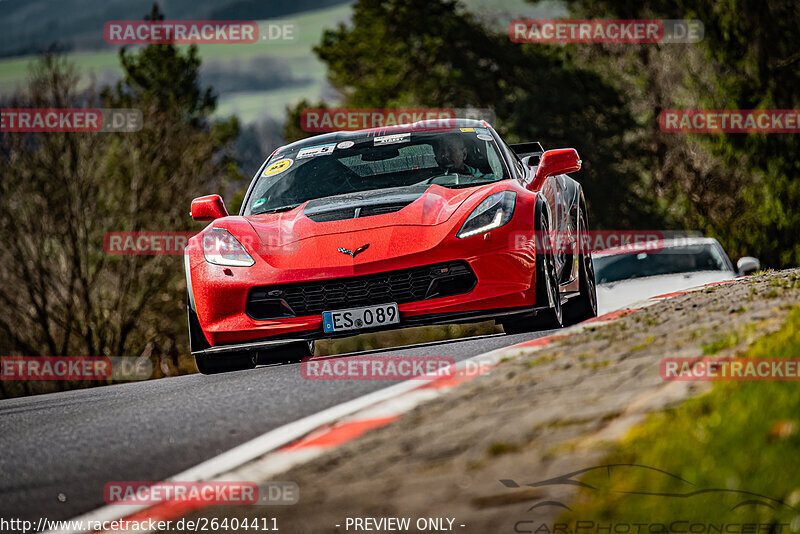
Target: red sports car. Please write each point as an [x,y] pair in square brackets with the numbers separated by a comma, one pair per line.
[347,232]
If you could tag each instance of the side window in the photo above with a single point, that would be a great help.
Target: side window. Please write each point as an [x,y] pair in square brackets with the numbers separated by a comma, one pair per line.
[518,169]
[494,160]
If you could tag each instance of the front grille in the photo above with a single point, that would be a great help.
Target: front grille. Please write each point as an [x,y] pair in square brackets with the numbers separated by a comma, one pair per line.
[406,285]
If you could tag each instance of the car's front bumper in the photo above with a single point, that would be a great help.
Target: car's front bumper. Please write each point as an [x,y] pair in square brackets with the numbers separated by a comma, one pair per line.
[505,284]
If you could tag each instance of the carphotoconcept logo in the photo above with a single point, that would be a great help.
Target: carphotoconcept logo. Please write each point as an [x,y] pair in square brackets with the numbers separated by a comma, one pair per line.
[105,120]
[623,480]
[555,31]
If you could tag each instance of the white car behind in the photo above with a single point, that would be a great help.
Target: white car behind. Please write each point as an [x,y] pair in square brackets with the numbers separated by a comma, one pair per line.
[630,274]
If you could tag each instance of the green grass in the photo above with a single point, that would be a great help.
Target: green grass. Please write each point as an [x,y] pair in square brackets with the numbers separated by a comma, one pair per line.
[741,436]
[729,340]
[248,106]
[643,344]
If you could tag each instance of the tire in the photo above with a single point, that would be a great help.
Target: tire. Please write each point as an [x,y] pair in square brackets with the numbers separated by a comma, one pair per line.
[209,365]
[546,287]
[583,306]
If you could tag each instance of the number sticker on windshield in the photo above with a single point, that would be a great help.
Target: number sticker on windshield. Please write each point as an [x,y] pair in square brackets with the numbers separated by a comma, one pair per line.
[314,151]
[278,167]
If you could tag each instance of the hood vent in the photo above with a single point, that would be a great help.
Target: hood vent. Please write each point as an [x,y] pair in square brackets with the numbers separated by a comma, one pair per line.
[364,204]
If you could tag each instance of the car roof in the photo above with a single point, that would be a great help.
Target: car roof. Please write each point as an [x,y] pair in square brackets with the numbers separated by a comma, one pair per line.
[657,245]
[419,126]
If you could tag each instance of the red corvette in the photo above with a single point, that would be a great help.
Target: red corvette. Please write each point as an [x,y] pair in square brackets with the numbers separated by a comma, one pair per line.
[432,222]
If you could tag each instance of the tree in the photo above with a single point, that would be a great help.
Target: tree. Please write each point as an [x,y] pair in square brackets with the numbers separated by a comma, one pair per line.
[741,188]
[62,192]
[420,53]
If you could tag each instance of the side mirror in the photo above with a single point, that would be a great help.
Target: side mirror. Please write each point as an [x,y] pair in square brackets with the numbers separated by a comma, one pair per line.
[208,208]
[747,265]
[554,162]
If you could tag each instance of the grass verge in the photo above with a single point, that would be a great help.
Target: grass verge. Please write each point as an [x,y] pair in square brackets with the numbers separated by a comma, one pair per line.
[741,440]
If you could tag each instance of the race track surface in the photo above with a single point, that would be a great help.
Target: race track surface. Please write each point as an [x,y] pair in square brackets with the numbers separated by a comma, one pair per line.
[59,450]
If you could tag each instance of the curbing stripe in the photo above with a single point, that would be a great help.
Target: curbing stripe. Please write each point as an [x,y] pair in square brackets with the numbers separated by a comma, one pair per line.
[340,433]
[391,403]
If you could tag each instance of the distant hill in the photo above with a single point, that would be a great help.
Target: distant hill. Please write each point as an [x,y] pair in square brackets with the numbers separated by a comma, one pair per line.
[28,26]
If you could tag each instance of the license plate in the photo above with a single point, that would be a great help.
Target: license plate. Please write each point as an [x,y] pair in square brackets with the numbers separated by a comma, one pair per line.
[358,318]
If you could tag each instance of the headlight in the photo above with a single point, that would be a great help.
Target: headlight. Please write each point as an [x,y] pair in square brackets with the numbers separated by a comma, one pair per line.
[221,248]
[495,211]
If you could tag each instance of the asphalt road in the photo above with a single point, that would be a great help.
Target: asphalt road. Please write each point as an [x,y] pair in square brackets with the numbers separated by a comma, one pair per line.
[57,451]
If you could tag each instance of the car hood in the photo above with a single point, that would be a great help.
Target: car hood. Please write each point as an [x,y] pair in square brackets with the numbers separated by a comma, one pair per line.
[398,206]
[616,295]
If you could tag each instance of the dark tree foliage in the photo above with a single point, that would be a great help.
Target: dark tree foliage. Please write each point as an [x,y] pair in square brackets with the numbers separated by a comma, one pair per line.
[413,53]
[742,188]
[61,193]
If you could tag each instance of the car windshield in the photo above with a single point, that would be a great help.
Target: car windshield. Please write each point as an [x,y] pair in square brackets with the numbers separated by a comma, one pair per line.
[466,157]
[670,260]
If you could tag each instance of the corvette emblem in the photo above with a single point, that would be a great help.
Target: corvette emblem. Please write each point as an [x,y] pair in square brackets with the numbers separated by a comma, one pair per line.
[352,253]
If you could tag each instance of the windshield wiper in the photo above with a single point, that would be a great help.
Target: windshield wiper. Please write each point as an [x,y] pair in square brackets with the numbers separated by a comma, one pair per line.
[277,210]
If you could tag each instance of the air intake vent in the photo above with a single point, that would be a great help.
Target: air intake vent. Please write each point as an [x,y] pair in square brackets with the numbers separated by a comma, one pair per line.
[406,285]
[362,204]
[353,213]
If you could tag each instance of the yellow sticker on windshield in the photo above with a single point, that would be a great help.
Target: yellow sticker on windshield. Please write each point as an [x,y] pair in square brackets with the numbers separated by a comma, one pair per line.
[278,167]
[465,130]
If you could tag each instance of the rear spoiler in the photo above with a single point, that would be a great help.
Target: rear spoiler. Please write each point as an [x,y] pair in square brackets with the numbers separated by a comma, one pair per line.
[534,150]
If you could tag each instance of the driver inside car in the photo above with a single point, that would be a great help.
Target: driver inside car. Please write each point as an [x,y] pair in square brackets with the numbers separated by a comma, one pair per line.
[451,154]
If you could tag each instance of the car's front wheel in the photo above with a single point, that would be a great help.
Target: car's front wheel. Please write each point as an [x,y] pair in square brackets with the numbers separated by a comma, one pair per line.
[547,288]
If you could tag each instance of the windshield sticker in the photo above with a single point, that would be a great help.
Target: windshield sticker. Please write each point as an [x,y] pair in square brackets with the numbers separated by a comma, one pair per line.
[345,144]
[314,151]
[393,139]
[467,130]
[482,131]
[484,137]
[258,202]
[278,167]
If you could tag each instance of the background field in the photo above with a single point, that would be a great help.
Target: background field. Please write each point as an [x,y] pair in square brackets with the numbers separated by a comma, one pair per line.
[253,80]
